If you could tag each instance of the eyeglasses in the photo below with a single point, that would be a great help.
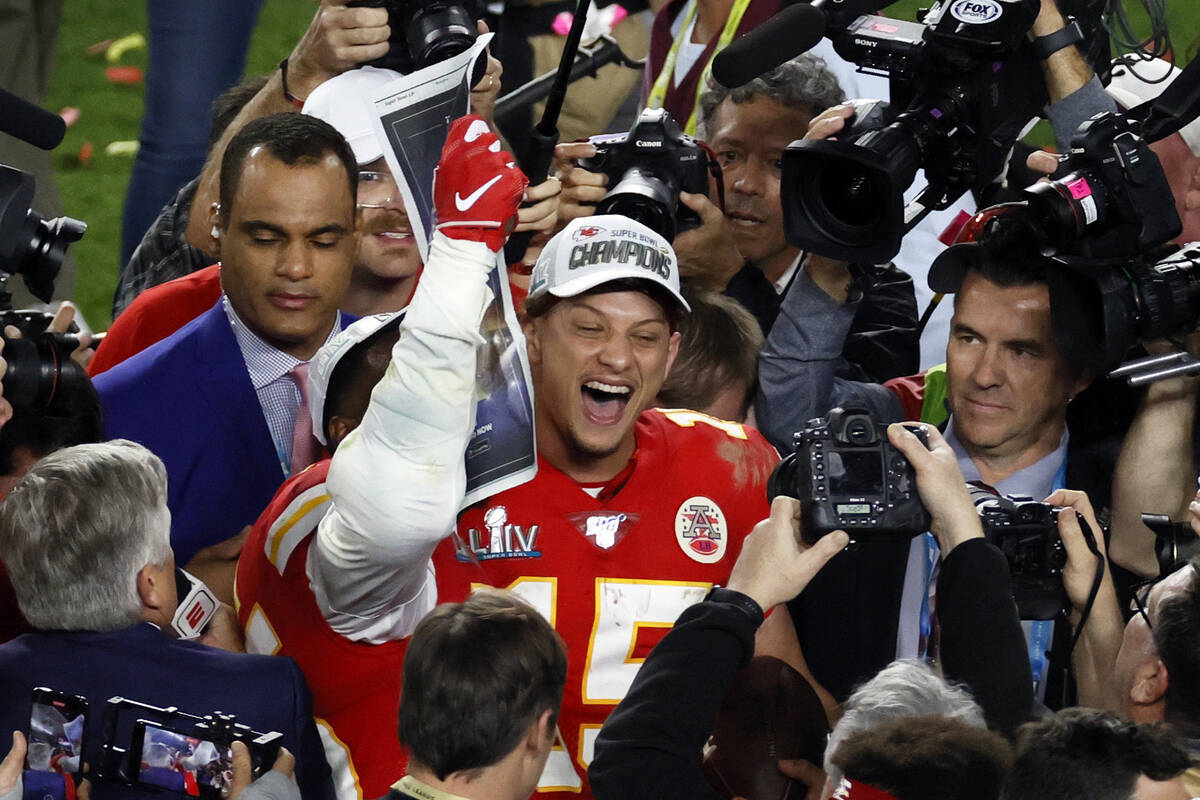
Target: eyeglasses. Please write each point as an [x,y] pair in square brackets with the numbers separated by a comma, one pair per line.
[1140,597]
[376,189]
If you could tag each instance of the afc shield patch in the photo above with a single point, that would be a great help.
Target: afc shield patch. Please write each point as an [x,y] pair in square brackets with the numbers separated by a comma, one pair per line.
[700,530]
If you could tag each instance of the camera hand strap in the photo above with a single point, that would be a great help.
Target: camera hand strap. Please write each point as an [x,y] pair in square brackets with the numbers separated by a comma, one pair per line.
[1090,538]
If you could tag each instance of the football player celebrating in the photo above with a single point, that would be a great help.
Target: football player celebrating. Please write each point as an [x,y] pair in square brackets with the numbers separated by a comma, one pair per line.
[634,514]
[336,571]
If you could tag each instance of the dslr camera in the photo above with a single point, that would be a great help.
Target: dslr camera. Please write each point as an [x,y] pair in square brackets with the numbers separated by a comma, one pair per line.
[425,32]
[647,168]
[849,477]
[1026,532]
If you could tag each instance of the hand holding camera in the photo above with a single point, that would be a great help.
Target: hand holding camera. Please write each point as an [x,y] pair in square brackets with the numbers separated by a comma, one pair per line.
[1080,571]
[582,189]
[953,519]
[877,484]
[707,254]
[849,476]
[775,565]
[338,38]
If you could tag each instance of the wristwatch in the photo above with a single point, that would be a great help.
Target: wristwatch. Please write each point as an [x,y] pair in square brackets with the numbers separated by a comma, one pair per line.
[745,603]
[1048,45]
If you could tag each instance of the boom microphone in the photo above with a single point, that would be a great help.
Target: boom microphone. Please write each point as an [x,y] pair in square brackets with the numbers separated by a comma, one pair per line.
[29,122]
[792,31]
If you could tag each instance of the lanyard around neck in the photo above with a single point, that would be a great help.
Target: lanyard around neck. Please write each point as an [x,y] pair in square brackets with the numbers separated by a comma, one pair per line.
[658,94]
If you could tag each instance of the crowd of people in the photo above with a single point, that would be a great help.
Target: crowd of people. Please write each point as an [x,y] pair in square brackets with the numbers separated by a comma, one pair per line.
[251,496]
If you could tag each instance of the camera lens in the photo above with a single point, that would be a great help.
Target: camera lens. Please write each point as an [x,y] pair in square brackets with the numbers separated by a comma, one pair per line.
[645,197]
[36,369]
[850,199]
[439,32]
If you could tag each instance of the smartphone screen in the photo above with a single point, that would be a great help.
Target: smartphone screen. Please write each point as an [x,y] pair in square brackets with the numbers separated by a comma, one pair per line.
[54,759]
[181,763]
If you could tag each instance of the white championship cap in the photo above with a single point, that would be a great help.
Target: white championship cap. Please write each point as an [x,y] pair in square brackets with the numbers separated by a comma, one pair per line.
[1130,90]
[595,250]
[344,102]
[320,369]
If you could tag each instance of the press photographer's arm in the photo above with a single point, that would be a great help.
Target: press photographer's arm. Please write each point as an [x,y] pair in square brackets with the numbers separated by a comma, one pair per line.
[1096,650]
[982,644]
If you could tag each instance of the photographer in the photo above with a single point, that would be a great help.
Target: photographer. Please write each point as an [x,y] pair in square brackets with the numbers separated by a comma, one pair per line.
[740,249]
[1003,396]
[649,745]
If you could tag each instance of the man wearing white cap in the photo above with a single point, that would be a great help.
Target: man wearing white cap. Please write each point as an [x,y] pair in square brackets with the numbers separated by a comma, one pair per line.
[387,263]
[336,570]
[634,514]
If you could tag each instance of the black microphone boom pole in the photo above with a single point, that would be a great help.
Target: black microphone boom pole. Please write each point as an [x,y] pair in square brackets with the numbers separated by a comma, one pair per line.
[544,136]
[540,152]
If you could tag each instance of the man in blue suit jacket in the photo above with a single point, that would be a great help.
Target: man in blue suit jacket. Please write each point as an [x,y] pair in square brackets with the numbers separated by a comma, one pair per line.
[217,401]
[85,537]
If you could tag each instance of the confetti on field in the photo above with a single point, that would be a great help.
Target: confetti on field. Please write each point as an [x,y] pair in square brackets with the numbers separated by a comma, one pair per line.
[128,75]
[70,115]
[122,148]
[119,47]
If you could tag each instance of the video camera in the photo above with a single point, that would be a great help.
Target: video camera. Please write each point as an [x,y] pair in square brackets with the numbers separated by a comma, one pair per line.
[647,168]
[1102,225]
[426,32]
[39,363]
[966,86]
[156,749]
[848,476]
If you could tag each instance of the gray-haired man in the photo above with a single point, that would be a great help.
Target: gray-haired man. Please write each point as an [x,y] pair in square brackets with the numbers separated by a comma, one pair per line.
[86,538]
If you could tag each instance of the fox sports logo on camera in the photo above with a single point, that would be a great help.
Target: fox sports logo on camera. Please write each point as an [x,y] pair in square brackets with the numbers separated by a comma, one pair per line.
[975,12]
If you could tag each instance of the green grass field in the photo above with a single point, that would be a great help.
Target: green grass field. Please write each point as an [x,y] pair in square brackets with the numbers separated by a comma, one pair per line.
[95,192]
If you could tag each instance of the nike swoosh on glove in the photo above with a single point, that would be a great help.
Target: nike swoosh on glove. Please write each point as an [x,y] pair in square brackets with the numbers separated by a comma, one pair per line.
[477,187]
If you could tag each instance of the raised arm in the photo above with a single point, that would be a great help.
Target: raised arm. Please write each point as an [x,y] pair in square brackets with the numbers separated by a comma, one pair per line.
[397,481]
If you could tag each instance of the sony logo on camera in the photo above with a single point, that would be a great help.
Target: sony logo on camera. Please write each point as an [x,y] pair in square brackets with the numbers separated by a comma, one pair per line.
[620,252]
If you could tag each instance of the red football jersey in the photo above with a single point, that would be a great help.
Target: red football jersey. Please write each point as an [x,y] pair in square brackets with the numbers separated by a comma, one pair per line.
[355,685]
[612,574]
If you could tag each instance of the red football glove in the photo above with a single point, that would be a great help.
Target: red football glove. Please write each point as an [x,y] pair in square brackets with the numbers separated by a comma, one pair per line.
[477,187]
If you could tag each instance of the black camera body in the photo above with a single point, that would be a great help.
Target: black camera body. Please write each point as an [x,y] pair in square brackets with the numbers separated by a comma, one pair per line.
[849,477]
[963,85]
[424,32]
[30,246]
[1026,532]
[1114,199]
[647,168]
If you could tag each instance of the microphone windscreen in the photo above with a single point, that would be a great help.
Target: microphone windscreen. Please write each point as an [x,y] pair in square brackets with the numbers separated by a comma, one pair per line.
[792,31]
[29,122]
